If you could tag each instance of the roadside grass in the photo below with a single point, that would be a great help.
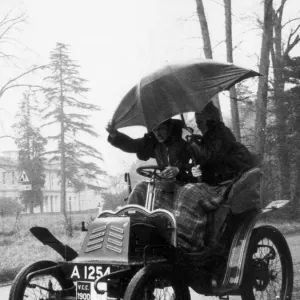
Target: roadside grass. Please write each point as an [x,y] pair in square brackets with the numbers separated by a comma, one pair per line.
[21,248]
[285,226]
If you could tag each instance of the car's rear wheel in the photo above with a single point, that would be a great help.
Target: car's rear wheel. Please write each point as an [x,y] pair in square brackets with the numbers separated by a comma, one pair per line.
[158,281]
[49,285]
[268,267]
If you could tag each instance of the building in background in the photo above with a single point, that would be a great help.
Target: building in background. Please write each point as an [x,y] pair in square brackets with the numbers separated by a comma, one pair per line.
[10,186]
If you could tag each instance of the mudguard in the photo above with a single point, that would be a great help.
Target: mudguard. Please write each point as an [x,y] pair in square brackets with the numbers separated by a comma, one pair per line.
[47,238]
[106,242]
[238,251]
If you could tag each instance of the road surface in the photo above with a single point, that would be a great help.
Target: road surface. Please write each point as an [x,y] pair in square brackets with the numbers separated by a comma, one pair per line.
[294,244]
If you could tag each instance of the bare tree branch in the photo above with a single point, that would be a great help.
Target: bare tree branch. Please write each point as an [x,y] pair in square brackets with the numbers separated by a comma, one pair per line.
[280,9]
[290,21]
[10,84]
[294,31]
[218,44]
[6,18]
[291,44]
[38,87]
[8,24]
[237,45]
[11,26]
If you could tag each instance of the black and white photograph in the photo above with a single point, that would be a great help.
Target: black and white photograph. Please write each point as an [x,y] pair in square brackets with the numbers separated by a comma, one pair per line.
[149,149]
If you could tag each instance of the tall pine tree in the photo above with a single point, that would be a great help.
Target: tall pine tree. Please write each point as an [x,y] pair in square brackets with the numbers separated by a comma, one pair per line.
[64,108]
[31,147]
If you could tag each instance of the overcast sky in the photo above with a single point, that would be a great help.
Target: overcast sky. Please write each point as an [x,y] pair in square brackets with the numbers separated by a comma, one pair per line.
[117,42]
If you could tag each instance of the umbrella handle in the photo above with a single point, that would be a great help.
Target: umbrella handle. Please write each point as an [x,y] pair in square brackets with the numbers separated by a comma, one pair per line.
[189,129]
[193,139]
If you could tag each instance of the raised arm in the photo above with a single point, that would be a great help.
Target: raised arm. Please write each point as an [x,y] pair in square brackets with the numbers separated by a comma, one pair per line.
[143,147]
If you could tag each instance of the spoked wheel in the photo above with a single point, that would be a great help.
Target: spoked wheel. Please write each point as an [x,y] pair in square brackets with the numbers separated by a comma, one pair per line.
[45,287]
[157,282]
[268,267]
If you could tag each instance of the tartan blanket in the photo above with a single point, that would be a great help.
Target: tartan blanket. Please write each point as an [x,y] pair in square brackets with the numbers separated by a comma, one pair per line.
[189,204]
[192,204]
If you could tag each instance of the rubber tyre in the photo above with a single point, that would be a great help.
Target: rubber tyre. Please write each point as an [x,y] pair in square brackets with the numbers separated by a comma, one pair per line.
[162,272]
[283,251]
[17,291]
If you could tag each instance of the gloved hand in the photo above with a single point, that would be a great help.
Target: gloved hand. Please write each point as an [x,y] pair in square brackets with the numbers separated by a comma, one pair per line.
[169,172]
[196,171]
[110,128]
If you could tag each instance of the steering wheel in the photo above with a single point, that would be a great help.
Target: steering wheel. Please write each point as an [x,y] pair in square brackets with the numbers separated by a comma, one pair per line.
[149,171]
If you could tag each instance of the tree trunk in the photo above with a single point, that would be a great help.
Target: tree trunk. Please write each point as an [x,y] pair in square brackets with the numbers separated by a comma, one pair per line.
[62,150]
[68,220]
[262,92]
[279,59]
[206,40]
[232,93]
[296,193]
[281,114]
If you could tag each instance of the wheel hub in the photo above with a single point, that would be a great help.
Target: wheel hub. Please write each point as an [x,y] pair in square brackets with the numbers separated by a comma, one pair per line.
[261,275]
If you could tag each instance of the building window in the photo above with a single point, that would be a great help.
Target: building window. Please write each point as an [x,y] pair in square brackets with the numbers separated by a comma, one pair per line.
[4,177]
[56,203]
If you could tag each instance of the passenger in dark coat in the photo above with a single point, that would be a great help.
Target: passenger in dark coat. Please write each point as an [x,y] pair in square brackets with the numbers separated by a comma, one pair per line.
[219,157]
[166,145]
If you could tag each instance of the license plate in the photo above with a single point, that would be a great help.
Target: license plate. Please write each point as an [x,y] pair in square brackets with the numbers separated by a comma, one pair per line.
[85,291]
[88,272]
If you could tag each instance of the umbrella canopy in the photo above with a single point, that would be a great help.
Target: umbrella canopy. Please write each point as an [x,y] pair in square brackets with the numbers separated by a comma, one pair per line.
[176,89]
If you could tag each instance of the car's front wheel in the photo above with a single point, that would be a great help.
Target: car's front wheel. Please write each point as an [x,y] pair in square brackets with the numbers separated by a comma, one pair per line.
[158,281]
[49,285]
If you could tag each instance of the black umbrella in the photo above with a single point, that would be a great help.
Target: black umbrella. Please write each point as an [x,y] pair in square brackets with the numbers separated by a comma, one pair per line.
[176,89]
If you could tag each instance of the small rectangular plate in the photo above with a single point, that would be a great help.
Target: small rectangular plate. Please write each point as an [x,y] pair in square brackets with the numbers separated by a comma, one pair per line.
[85,291]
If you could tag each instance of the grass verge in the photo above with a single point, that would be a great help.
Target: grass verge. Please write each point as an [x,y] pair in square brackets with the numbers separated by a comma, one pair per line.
[21,248]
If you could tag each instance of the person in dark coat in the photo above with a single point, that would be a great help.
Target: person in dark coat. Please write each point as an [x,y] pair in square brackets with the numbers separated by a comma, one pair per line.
[166,145]
[218,157]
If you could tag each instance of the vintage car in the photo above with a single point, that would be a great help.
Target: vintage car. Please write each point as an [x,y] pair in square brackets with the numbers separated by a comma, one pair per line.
[132,254]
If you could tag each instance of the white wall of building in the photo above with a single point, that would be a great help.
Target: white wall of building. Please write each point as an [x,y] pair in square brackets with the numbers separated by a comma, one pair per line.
[10,187]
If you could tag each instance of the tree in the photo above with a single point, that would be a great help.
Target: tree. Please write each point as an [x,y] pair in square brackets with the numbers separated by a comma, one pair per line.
[116,193]
[247,111]
[292,96]
[262,91]
[232,92]
[8,207]
[8,25]
[31,147]
[64,108]
[113,200]
[280,54]
[206,38]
